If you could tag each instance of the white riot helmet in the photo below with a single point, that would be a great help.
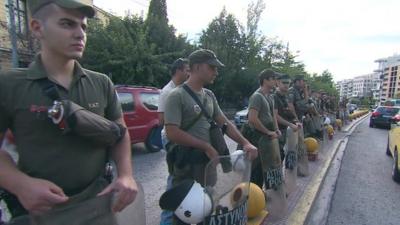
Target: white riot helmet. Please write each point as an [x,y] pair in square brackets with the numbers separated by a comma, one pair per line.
[327,121]
[188,200]
[237,160]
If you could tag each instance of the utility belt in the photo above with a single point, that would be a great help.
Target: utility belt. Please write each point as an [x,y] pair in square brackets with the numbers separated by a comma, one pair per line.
[179,156]
[252,134]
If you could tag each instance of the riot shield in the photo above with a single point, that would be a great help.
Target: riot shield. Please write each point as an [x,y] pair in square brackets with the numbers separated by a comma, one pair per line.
[291,160]
[274,183]
[302,166]
[93,211]
[228,190]
[135,211]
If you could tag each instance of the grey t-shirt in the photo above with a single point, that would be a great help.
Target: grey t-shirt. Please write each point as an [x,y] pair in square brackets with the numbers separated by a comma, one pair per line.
[182,110]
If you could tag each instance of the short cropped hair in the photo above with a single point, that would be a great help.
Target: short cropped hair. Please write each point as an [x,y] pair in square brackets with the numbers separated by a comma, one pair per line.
[178,65]
[266,75]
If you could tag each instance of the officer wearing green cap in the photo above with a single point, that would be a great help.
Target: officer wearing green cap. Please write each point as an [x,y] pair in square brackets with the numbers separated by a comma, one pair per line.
[187,127]
[56,170]
[267,171]
[285,117]
[298,103]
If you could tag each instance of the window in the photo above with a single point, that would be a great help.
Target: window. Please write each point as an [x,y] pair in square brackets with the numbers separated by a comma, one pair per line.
[150,100]
[20,16]
[127,103]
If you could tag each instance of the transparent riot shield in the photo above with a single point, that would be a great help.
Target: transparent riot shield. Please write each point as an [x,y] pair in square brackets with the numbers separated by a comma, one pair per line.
[135,211]
[93,211]
[272,169]
[228,189]
[291,160]
[302,166]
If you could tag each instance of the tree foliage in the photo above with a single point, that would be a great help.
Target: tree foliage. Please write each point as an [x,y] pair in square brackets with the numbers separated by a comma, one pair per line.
[134,50]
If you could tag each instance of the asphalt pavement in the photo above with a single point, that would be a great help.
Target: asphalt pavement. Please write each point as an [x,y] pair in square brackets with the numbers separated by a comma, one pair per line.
[365,192]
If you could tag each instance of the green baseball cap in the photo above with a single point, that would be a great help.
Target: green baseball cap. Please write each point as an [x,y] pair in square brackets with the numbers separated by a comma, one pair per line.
[85,5]
[204,56]
[282,76]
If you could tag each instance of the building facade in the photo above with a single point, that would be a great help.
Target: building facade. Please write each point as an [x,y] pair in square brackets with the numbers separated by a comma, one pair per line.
[24,41]
[26,46]
[389,70]
[345,88]
[361,86]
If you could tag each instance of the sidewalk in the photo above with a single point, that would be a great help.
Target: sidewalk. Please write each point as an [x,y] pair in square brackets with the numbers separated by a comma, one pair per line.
[301,200]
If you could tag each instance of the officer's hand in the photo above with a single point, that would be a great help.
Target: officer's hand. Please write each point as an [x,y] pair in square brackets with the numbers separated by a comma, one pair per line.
[272,135]
[278,132]
[294,127]
[251,151]
[125,189]
[299,125]
[38,196]
[212,154]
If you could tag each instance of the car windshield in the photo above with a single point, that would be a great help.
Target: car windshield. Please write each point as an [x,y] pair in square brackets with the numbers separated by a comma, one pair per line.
[388,110]
[150,100]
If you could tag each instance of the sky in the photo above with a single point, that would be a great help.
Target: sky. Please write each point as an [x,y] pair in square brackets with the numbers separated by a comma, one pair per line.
[342,36]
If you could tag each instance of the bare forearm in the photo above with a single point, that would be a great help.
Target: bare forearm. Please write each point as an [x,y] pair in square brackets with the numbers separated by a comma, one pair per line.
[282,121]
[121,154]
[293,110]
[276,119]
[260,127]
[235,135]
[10,175]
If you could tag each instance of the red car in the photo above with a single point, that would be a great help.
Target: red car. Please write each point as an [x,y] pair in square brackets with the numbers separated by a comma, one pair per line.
[140,105]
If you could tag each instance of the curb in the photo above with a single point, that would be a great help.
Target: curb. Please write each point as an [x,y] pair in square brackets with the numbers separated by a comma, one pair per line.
[303,207]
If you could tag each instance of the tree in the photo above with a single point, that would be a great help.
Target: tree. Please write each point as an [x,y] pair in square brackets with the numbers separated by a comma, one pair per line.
[120,50]
[224,35]
[324,81]
[134,51]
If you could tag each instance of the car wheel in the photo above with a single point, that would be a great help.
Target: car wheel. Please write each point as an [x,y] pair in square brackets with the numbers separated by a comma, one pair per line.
[395,172]
[153,141]
[387,148]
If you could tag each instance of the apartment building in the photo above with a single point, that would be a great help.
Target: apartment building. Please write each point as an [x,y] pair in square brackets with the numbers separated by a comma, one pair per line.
[360,86]
[26,44]
[345,88]
[389,73]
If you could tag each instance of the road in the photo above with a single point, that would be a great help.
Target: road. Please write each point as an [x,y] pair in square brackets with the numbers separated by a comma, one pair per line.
[365,192]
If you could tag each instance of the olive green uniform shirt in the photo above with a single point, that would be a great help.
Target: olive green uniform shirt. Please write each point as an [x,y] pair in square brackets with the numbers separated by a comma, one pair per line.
[182,110]
[296,97]
[264,105]
[281,104]
[69,161]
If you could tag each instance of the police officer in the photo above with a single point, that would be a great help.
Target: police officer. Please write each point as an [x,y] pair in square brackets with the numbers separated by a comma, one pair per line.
[262,121]
[263,125]
[285,117]
[298,103]
[53,168]
[187,127]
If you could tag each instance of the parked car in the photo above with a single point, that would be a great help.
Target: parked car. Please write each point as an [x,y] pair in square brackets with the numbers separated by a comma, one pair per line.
[383,115]
[393,148]
[241,117]
[352,108]
[139,105]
